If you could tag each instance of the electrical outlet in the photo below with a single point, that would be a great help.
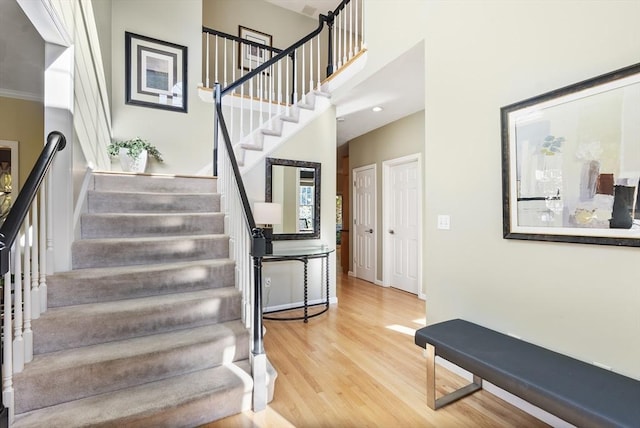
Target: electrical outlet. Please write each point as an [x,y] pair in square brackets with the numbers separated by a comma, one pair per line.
[267,282]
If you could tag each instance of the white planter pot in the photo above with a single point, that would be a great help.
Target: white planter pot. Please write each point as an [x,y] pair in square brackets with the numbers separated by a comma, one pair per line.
[130,164]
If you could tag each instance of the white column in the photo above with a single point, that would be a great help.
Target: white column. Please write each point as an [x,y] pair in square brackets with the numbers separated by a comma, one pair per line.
[58,100]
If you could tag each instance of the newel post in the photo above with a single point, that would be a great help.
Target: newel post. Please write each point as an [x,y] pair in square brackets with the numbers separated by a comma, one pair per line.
[330,20]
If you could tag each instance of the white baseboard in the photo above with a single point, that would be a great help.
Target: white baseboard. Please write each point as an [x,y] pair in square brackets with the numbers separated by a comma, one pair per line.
[518,402]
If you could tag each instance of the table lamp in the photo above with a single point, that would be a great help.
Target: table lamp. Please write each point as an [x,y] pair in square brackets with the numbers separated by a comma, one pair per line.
[266,214]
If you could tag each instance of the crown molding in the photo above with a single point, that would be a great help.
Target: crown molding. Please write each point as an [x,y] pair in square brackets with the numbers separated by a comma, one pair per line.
[27,96]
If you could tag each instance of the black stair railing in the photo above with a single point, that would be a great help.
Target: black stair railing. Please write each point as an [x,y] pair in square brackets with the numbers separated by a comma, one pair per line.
[9,230]
[257,239]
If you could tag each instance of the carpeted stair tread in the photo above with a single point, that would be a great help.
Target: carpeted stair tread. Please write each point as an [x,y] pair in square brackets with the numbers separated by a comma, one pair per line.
[144,330]
[58,328]
[153,183]
[182,401]
[94,285]
[67,375]
[123,202]
[128,225]
[88,253]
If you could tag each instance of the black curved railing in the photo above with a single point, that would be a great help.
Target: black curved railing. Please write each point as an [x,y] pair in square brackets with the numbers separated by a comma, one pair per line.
[9,230]
[257,237]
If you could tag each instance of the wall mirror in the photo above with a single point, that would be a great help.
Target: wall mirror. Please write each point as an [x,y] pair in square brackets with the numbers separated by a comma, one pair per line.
[296,186]
[571,163]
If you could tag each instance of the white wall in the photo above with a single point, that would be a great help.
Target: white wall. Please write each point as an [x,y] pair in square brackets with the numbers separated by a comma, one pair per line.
[184,139]
[582,300]
[315,143]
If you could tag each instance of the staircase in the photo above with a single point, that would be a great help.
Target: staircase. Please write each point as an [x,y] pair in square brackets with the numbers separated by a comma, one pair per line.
[252,150]
[145,330]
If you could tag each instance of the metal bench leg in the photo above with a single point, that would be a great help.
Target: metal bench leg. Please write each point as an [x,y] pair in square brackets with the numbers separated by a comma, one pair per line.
[435,403]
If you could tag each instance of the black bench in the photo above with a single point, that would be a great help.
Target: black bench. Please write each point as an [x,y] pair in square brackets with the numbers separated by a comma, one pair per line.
[582,394]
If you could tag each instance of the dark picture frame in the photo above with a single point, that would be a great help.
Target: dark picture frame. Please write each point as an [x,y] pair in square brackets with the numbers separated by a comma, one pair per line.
[155,73]
[251,54]
[298,168]
[571,163]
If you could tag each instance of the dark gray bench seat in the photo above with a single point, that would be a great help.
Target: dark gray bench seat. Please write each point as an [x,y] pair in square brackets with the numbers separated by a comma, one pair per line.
[579,393]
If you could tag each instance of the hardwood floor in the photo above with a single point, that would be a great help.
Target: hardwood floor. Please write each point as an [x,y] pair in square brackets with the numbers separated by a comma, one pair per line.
[357,366]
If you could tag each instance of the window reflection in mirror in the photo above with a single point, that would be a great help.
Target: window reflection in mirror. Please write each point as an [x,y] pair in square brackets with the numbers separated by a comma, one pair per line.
[296,186]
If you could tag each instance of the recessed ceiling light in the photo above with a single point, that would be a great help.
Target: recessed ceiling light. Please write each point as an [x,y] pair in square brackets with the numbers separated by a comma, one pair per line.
[377,109]
[340,119]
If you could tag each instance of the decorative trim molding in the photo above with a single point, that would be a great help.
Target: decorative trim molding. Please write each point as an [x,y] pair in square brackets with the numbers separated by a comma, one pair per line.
[27,96]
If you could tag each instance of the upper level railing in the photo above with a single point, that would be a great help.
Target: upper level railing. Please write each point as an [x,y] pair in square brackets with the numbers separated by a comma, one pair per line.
[267,82]
[22,270]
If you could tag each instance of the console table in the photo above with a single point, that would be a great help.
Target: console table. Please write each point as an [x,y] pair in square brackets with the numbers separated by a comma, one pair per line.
[302,255]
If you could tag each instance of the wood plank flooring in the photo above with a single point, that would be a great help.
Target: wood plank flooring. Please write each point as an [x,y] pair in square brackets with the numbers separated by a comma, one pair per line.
[357,366]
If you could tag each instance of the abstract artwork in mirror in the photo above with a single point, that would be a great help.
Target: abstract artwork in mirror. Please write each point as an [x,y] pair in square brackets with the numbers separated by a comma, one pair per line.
[571,163]
[296,186]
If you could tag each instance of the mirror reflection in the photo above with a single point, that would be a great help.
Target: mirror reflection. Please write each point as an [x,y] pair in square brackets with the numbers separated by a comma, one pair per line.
[295,185]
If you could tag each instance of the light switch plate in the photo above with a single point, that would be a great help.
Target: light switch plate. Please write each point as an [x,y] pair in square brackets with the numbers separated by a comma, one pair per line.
[444,222]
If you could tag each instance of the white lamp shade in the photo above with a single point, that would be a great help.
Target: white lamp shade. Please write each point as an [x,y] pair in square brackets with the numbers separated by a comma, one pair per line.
[267,213]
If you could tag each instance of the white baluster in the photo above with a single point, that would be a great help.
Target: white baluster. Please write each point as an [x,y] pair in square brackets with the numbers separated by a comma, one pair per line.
[18,341]
[7,347]
[28,333]
[234,64]
[311,82]
[351,29]
[344,36]
[207,63]
[215,58]
[35,265]
[260,80]
[358,25]
[252,83]
[318,62]
[303,65]
[46,242]
[279,86]
[294,75]
[363,44]
[225,63]
[287,92]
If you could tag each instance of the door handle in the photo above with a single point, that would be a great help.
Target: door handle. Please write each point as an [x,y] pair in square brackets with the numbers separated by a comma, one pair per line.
[369,231]
[391,232]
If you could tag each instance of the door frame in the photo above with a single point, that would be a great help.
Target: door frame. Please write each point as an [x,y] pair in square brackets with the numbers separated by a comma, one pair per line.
[354,254]
[386,214]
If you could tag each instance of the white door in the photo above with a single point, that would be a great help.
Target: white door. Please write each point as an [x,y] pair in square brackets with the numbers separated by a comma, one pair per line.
[402,225]
[364,221]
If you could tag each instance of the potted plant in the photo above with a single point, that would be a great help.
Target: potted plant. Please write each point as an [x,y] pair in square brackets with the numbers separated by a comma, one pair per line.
[134,153]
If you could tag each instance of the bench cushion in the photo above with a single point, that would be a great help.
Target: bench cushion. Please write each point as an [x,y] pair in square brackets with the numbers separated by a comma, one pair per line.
[580,393]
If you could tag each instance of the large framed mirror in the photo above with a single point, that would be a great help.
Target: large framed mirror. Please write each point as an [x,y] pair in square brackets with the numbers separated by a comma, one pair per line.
[295,185]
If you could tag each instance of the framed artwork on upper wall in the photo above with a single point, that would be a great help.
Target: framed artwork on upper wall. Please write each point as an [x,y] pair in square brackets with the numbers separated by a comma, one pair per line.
[571,163]
[253,53]
[156,73]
